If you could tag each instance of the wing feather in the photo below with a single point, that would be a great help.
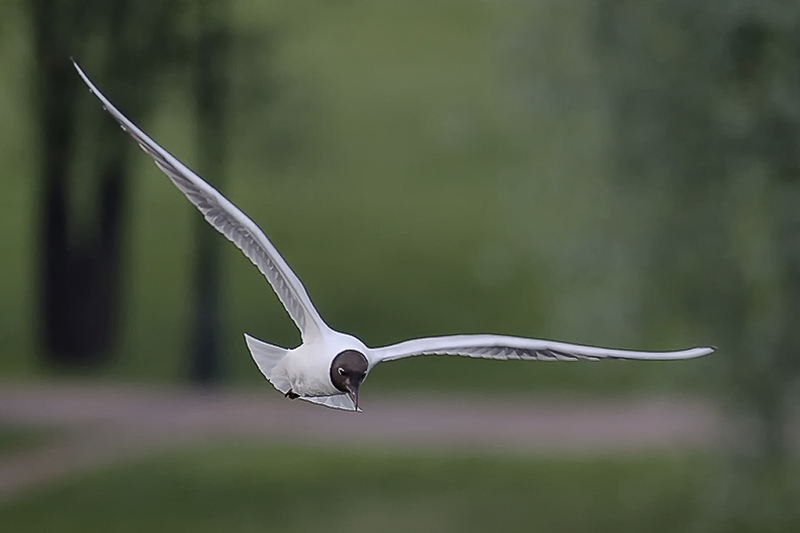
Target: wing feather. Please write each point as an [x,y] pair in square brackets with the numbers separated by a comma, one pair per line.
[506,347]
[336,401]
[228,220]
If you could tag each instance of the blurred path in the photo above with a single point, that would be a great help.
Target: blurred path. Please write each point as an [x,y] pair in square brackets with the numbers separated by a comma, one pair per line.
[104,423]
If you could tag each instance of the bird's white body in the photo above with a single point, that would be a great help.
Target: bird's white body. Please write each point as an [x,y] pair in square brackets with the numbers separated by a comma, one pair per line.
[306,370]
[307,367]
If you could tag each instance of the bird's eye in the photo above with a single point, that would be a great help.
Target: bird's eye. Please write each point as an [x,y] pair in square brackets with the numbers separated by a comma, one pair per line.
[341,371]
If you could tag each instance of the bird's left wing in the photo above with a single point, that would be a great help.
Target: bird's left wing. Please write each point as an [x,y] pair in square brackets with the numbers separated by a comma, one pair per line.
[505,347]
[228,220]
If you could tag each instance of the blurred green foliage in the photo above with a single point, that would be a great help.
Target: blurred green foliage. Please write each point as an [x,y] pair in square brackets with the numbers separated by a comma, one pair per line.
[707,120]
[241,488]
[706,107]
[390,157]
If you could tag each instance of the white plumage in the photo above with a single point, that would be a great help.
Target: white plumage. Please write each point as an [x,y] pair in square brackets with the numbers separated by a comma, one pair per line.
[306,370]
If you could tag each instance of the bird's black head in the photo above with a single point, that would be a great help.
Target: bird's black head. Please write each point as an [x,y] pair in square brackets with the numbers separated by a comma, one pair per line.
[348,370]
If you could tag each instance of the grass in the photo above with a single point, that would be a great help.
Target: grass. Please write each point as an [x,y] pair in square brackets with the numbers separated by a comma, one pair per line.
[244,488]
[416,195]
[14,439]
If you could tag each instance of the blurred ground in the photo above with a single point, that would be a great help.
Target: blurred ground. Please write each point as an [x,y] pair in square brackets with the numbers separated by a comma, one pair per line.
[103,423]
[256,487]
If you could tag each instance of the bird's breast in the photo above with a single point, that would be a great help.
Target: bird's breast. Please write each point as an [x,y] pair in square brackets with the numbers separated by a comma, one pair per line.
[309,374]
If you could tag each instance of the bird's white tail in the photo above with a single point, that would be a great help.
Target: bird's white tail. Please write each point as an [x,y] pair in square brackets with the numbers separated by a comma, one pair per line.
[266,357]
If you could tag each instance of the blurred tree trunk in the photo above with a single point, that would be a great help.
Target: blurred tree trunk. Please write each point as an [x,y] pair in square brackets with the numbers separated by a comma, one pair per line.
[211,87]
[80,252]
[80,272]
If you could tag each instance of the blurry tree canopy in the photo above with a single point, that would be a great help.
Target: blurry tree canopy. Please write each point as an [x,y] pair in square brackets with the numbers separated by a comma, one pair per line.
[705,103]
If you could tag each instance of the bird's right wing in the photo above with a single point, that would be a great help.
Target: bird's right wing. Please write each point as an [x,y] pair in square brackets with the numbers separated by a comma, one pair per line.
[505,347]
[228,220]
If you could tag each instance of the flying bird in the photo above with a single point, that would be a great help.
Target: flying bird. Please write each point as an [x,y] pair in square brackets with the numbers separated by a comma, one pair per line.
[329,366]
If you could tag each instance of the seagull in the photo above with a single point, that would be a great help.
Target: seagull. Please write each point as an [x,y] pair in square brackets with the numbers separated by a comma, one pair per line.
[329,366]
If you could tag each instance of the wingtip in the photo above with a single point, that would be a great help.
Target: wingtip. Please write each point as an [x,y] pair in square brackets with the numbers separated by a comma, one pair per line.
[82,74]
[701,351]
